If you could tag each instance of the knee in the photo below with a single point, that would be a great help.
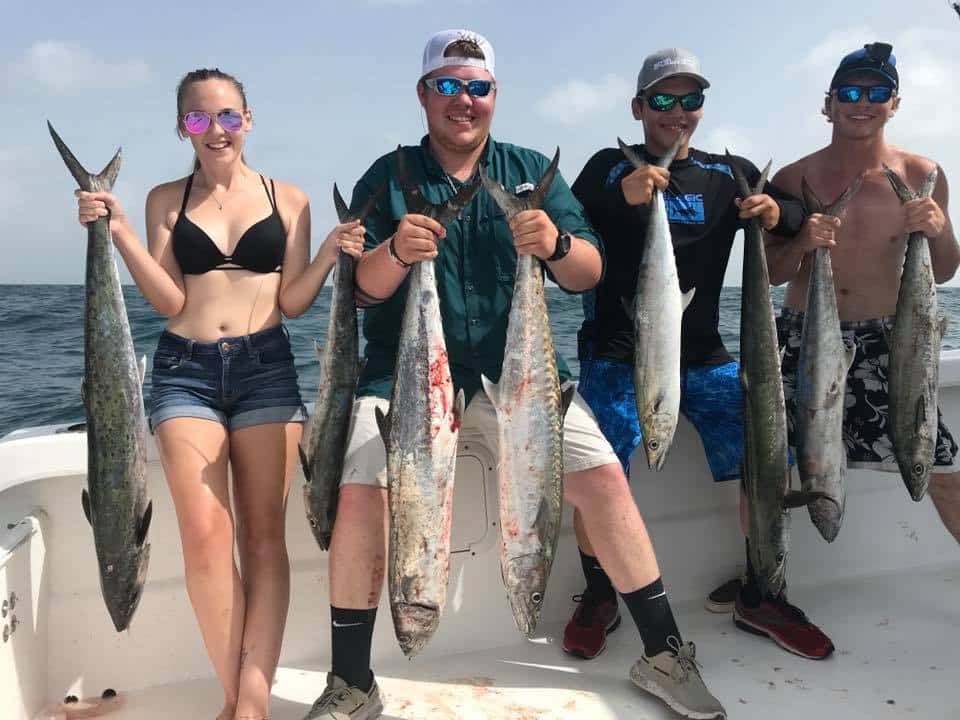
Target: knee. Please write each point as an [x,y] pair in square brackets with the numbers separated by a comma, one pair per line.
[604,484]
[207,539]
[263,538]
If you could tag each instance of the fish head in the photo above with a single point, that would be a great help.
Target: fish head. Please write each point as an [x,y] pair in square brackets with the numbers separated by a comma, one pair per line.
[122,576]
[414,624]
[770,552]
[526,583]
[658,429]
[915,469]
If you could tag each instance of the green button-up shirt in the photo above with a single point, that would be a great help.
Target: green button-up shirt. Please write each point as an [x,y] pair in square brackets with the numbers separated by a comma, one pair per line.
[475,265]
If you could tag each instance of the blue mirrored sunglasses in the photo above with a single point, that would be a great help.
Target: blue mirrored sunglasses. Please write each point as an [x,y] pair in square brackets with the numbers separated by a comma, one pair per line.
[853,93]
[450,86]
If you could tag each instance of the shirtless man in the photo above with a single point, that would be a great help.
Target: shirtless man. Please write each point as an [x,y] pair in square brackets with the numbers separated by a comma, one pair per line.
[867,250]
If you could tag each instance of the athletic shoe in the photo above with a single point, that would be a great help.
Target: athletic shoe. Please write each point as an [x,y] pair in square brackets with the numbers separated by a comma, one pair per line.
[673,676]
[586,634]
[345,702]
[785,624]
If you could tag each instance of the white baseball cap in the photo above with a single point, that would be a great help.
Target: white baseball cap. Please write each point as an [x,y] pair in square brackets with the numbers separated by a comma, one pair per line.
[437,45]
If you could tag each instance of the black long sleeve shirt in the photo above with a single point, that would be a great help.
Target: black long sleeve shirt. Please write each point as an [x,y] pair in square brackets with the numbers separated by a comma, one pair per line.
[703,223]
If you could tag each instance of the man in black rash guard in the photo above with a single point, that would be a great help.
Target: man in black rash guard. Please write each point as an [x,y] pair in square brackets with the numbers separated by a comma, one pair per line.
[704,212]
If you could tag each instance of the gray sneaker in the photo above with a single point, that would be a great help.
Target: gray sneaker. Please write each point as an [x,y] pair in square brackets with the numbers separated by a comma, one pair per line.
[674,677]
[344,702]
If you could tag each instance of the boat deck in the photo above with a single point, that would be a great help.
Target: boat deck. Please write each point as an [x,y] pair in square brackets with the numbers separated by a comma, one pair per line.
[896,658]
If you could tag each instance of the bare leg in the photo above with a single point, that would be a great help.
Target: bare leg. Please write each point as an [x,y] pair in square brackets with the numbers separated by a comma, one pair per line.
[945,492]
[263,459]
[194,454]
[612,521]
[583,542]
[358,550]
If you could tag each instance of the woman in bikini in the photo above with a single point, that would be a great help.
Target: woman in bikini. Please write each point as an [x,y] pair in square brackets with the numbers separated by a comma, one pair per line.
[227,257]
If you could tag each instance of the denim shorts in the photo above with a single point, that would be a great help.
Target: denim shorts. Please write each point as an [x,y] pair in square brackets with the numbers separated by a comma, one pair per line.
[710,398]
[235,381]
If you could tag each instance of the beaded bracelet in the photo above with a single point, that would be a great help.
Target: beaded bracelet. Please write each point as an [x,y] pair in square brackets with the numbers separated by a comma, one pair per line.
[391,250]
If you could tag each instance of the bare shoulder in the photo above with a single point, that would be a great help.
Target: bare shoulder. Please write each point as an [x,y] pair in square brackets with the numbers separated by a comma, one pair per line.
[789,176]
[916,166]
[289,197]
[164,199]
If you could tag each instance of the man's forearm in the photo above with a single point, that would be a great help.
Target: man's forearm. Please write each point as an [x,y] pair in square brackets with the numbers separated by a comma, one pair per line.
[378,275]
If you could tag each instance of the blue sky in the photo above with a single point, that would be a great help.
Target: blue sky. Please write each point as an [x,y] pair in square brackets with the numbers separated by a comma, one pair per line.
[331,86]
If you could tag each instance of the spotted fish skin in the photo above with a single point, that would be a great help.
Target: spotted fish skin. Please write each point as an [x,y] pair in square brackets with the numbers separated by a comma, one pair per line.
[914,368]
[530,411]
[322,460]
[115,500]
[823,362]
[420,433]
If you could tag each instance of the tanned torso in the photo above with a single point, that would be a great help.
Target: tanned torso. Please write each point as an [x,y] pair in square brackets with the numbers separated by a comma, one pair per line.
[871,241]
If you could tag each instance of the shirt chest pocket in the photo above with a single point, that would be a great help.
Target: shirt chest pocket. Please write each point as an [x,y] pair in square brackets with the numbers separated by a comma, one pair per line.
[496,246]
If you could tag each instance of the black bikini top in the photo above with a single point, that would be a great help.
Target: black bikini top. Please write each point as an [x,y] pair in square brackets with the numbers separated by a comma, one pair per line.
[260,249]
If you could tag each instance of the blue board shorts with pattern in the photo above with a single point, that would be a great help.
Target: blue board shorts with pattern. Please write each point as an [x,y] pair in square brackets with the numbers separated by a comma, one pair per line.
[710,398]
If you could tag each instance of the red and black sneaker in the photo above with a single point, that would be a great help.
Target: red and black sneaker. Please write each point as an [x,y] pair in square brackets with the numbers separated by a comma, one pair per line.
[785,624]
[586,634]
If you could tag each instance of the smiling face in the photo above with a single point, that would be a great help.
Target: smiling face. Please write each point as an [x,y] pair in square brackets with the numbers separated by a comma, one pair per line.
[660,129]
[458,123]
[215,145]
[862,119]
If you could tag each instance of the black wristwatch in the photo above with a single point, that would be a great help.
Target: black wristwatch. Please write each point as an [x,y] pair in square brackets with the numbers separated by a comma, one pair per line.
[562,247]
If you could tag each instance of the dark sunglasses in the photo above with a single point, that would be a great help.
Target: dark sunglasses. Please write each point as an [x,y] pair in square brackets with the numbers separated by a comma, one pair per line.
[450,86]
[197,121]
[662,102]
[853,93]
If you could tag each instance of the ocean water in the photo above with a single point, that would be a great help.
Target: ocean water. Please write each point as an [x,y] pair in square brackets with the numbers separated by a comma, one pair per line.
[41,343]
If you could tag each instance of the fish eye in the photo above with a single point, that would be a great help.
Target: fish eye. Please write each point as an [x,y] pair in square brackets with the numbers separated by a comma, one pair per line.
[918,469]
[780,557]
[654,444]
[536,598]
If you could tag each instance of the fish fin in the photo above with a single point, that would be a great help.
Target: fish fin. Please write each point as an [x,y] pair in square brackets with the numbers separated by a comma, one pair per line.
[929,182]
[671,153]
[903,191]
[542,522]
[743,379]
[370,203]
[943,323]
[412,196]
[687,297]
[383,422]
[762,180]
[144,524]
[849,353]
[743,186]
[85,502]
[459,404]
[85,179]
[920,418]
[143,368]
[536,198]
[631,154]
[453,206]
[811,203]
[318,349]
[799,498]
[566,397]
[304,462]
[492,390]
[887,328]
[509,203]
[343,210]
[840,204]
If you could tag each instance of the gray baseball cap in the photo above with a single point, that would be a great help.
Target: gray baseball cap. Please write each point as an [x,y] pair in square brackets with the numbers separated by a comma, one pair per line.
[669,63]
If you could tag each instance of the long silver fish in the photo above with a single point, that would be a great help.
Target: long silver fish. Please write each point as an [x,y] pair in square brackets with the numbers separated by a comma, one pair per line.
[822,368]
[530,413]
[657,312]
[914,372]
[420,432]
[766,473]
[115,501]
[322,461]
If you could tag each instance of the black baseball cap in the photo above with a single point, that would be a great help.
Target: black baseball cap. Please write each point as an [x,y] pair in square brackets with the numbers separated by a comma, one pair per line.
[876,58]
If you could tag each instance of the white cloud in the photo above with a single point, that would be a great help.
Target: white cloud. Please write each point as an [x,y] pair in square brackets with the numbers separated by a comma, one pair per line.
[67,67]
[577,100]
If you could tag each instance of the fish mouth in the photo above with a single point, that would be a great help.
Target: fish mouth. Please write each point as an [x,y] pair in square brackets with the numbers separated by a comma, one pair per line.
[415,624]
[826,515]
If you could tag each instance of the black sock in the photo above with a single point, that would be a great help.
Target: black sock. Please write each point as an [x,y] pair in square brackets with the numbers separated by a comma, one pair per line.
[654,618]
[750,590]
[598,584]
[352,639]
